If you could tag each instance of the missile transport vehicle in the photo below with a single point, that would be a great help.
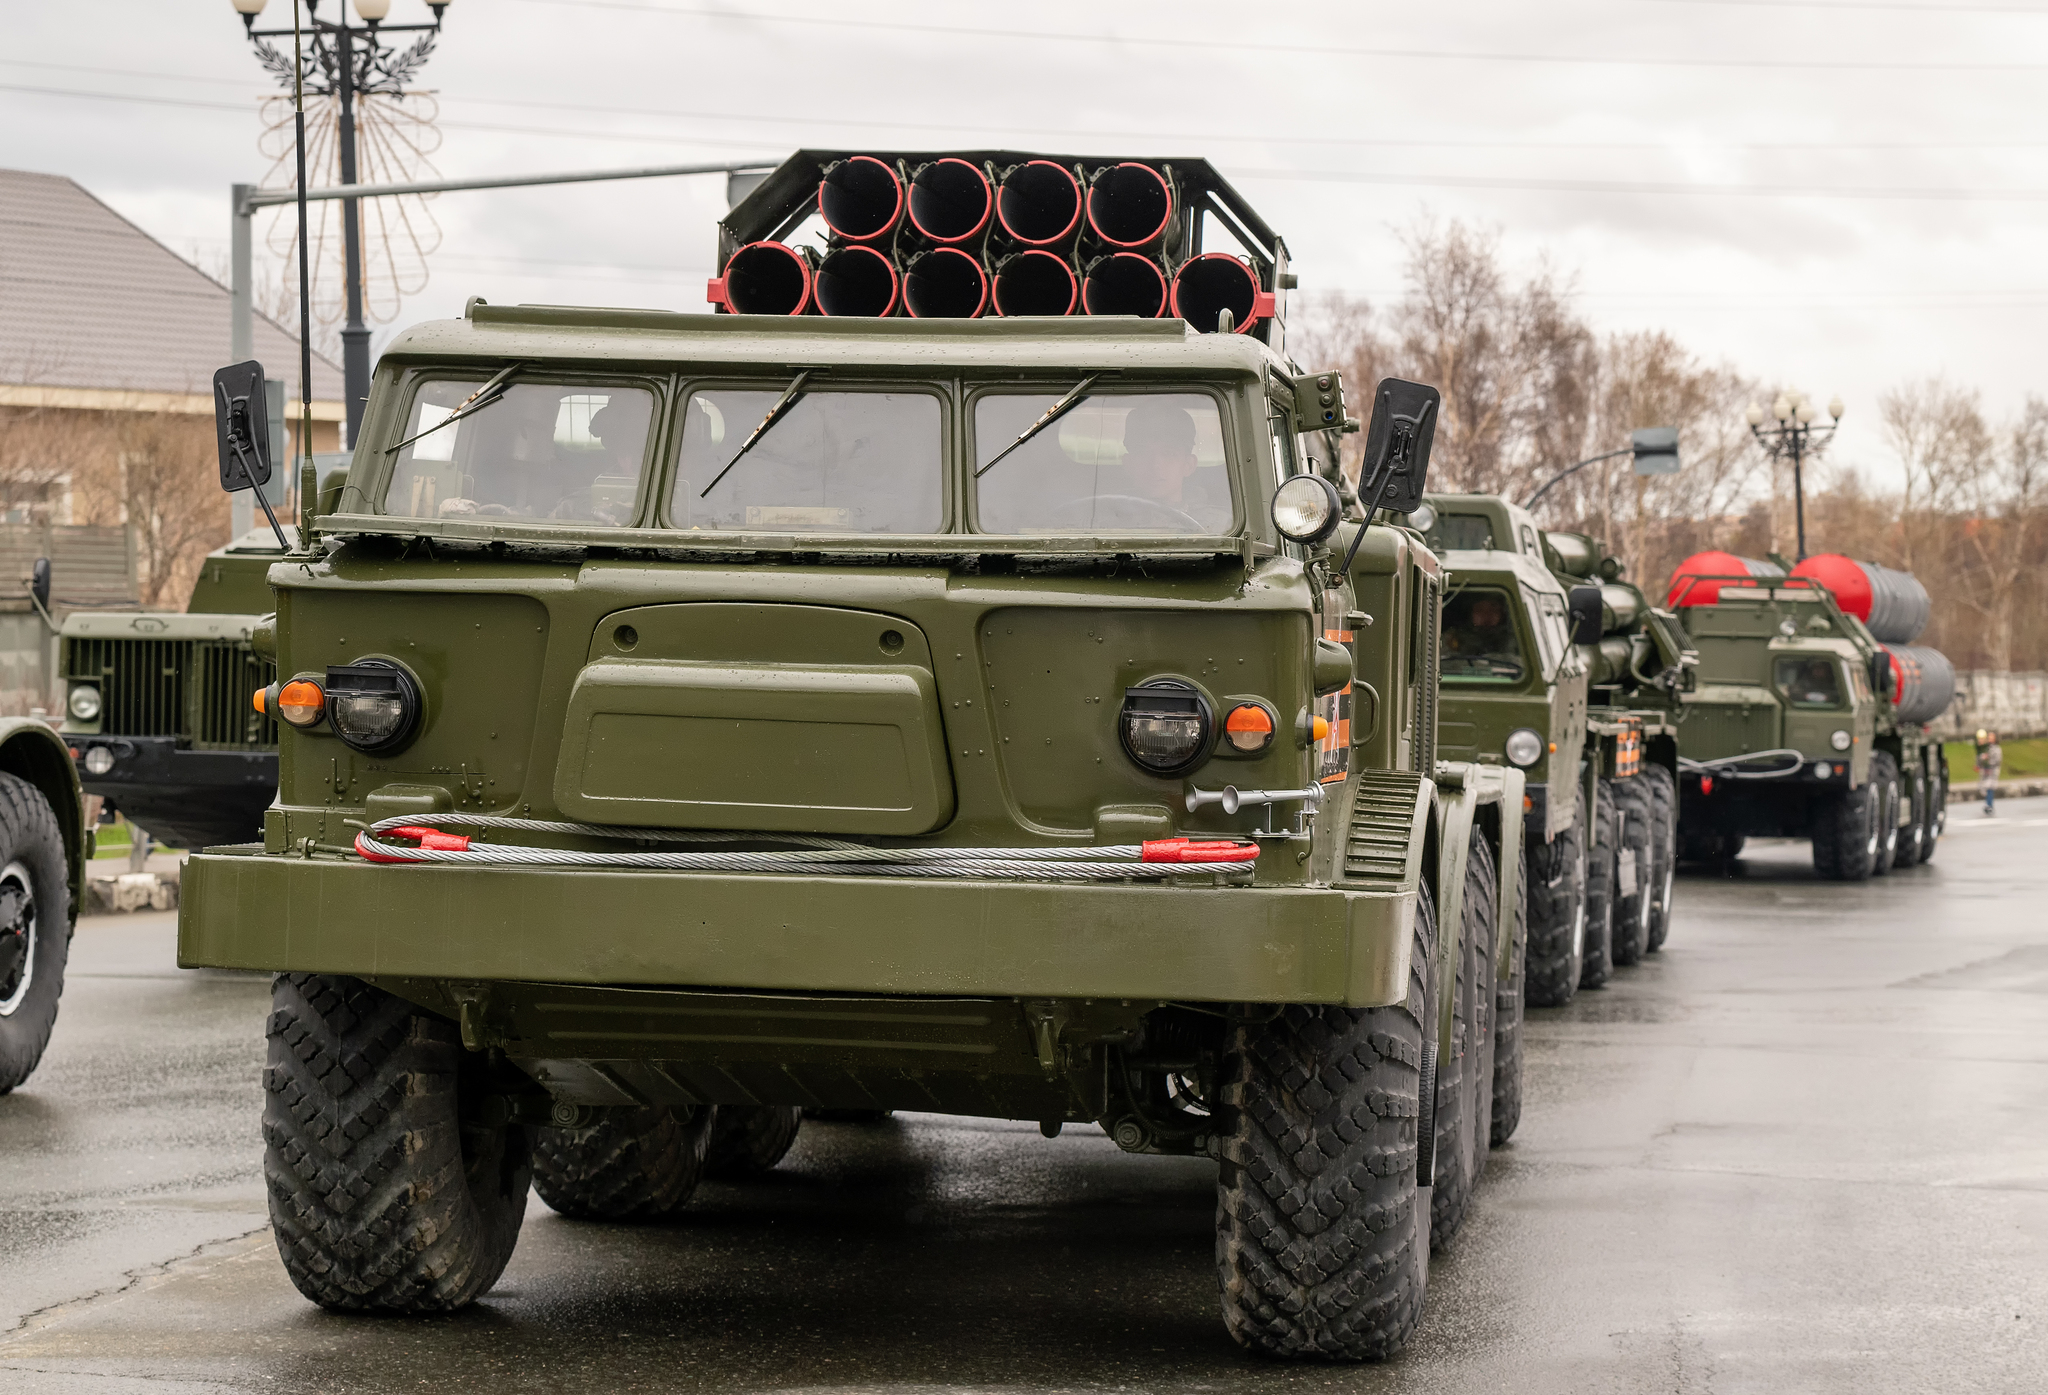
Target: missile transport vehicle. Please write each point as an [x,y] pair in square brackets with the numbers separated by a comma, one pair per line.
[1638,674]
[157,710]
[695,719]
[1808,717]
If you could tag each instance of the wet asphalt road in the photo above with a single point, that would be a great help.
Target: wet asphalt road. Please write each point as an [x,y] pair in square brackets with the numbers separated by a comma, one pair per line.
[1805,1148]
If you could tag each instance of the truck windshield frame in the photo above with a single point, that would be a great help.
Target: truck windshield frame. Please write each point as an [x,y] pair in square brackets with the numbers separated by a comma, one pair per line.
[1474,662]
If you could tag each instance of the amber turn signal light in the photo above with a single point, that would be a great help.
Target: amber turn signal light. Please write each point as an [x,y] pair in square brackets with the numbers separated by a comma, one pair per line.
[1249,728]
[299,702]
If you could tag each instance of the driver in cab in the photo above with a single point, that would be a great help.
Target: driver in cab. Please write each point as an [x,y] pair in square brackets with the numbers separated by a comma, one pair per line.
[1483,631]
[1159,466]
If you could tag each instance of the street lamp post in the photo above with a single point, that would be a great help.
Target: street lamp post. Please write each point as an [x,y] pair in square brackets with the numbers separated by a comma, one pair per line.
[349,61]
[1794,438]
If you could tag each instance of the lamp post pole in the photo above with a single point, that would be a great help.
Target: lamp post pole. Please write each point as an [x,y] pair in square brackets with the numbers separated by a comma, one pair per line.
[1794,438]
[349,61]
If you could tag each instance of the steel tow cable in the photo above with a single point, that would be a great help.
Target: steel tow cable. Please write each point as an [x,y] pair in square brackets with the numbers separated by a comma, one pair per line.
[424,841]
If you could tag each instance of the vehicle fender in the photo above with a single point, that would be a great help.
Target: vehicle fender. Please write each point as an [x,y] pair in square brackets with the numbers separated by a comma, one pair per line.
[1501,819]
[1459,788]
[31,750]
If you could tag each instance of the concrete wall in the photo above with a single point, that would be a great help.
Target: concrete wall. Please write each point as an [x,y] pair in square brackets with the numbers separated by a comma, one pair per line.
[2011,704]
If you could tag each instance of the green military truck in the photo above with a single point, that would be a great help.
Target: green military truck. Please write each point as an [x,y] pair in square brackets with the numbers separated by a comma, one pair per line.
[1808,717]
[691,719]
[1515,691]
[1638,673]
[157,709]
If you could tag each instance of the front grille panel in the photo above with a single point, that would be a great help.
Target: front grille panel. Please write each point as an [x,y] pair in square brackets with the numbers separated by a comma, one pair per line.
[195,690]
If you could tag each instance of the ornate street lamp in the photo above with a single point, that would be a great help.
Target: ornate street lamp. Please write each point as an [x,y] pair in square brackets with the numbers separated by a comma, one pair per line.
[1794,438]
[348,61]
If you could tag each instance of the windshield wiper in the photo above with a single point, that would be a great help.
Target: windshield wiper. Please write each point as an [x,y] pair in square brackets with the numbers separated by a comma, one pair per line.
[1052,414]
[467,407]
[789,397]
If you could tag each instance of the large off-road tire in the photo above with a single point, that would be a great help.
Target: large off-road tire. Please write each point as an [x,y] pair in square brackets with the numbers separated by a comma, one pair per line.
[1322,1235]
[35,927]
[1507,1025]
[1663,792]
[1464,1074]
[631,1165]
[1913,831]
[1845,834]
[748,1141]
[1555,895]
[1937,804]
[1633,864]
[382,1197]
[1602,860]
[1884,774]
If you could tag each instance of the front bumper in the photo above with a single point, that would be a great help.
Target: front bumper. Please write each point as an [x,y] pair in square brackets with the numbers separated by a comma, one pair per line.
[186,799]
[241,908]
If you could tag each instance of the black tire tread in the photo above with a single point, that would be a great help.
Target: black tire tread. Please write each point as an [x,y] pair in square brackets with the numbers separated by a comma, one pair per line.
[747,1141]
[1507,1026]
[29,834]
[1598,965]
[631,1165]
[1317,1244]
[1632,814]
[375,1204]
[1554,896]
[1663,791]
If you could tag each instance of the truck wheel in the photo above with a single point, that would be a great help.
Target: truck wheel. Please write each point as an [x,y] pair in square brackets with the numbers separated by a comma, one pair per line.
[1322,1235]
[1884,774]
[1464,1073]
[35,927]
[381,1197]
[1600,889]
[1507,1025]
[1845,835]
[631,1165]
[1913,795]
[1937,804]
[746,1142]
[1555,895]
[1663,851]
[1632,871]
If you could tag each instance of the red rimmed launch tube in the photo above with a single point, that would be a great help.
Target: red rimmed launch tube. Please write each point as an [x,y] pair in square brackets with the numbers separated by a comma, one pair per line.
[944,284]
[857,281]
[1125,283]
[1130,206]
[860,199]
[1040,203]
[1036,283]
[1207,285]
[950,201]
[763,278]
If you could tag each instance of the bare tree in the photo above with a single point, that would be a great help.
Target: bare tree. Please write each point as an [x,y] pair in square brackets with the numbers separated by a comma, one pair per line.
[1939,434]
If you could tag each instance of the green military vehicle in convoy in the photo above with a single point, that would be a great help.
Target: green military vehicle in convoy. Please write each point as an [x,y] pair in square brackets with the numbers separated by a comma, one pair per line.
[157,709]
[1554,664]
[1808,720]
[691,719]
[1638,672]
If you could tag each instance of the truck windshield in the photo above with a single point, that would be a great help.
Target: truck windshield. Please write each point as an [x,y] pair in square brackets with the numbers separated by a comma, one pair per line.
[1815,682]
[1117,462]
[1480,643]
[1460,532]
[838,462]
[546,451]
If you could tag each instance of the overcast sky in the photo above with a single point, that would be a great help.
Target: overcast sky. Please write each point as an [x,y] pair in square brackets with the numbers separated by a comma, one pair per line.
[1834,195]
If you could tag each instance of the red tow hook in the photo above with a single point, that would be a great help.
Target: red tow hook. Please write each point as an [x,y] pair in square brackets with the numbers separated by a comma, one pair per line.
[1194,850]
[431,838]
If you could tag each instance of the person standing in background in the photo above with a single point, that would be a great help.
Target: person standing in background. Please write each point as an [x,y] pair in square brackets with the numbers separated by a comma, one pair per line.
[1990,756]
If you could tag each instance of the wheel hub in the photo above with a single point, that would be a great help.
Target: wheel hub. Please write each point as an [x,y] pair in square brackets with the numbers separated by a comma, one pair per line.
[17,937]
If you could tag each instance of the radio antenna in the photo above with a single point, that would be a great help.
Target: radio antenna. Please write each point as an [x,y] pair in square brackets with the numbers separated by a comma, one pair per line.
[305,279]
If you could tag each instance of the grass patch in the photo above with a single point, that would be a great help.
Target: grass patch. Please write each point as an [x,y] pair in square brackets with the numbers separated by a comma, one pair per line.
[2024,759]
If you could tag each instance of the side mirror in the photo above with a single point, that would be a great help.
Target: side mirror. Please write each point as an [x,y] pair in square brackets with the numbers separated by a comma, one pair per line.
[39,584]
[1395,469]
[1881,674]
[1587,622]
[241,420]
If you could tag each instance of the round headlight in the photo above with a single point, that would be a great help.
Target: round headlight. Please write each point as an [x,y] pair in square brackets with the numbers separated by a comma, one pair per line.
[1165,726]
[1822,770]
[373,706]
[1524,747]
[1422,519]
[99,760]
[1839,740]
[84,702]
[1306,509]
